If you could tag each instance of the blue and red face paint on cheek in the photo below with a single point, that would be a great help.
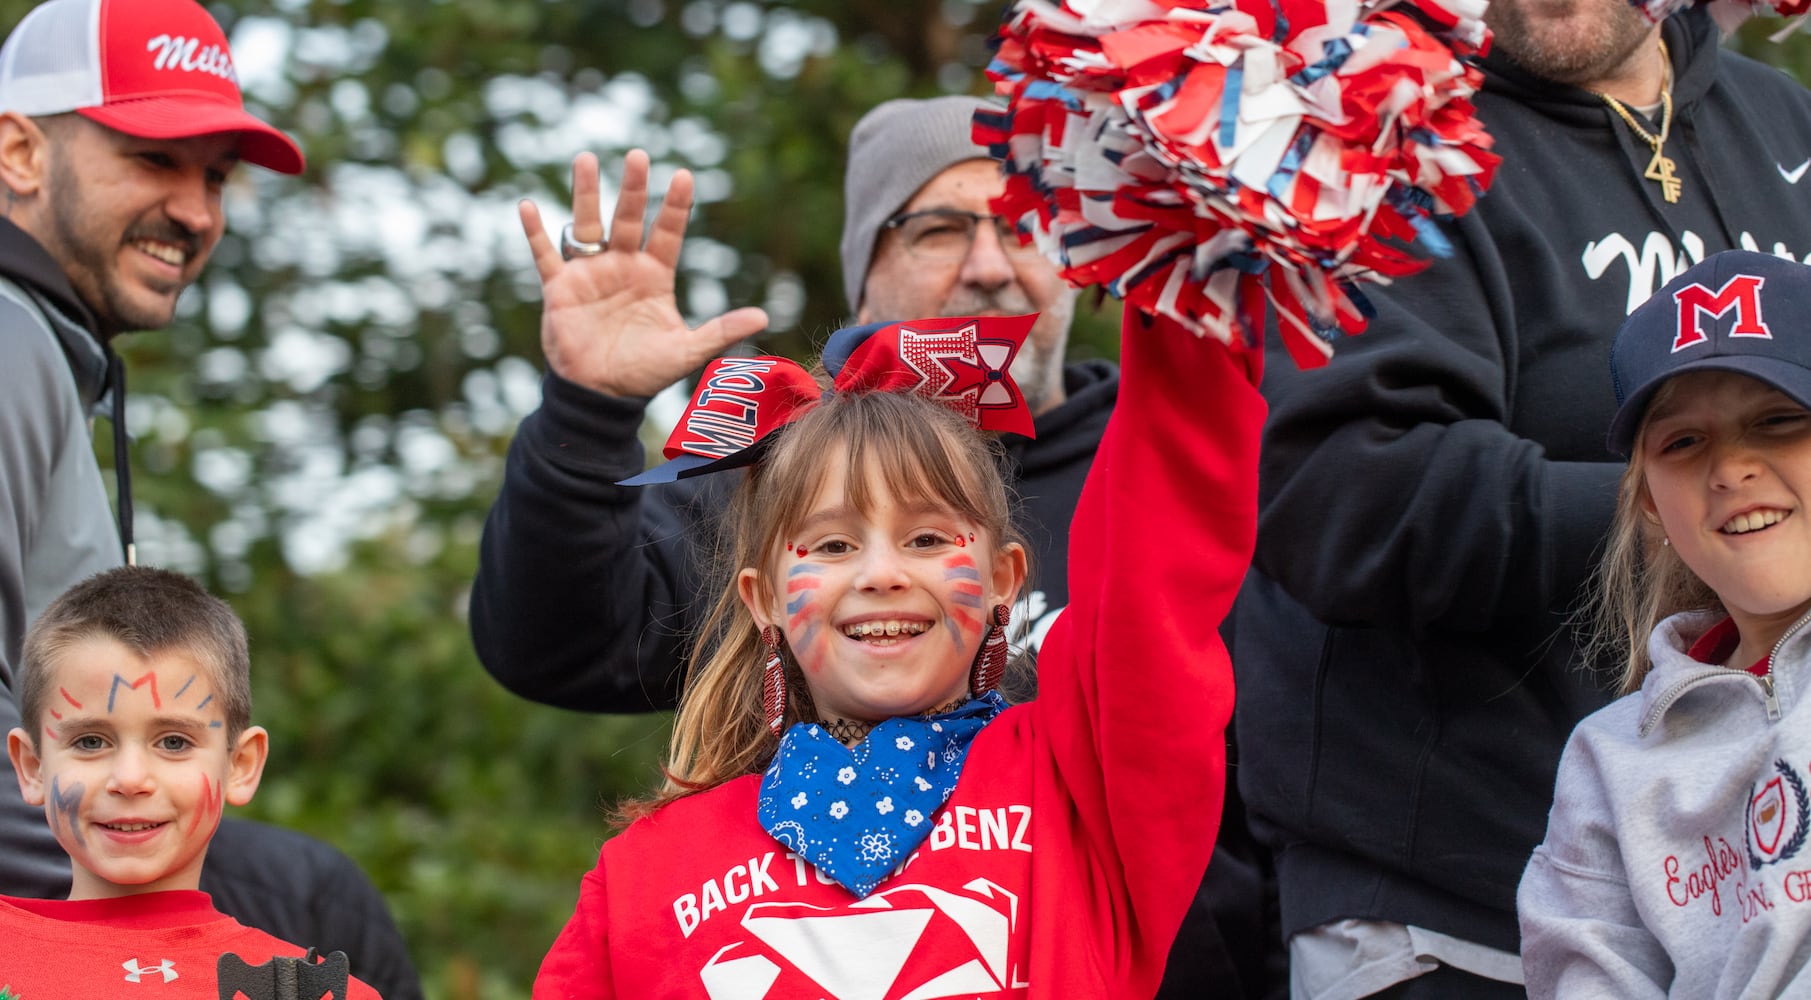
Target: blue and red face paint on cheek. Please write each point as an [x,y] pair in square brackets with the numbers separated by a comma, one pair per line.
[65,806]
[964,617]
[802,618]
[208,807]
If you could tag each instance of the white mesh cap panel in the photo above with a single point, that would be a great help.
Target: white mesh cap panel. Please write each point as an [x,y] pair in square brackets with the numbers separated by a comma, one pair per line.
[51,61]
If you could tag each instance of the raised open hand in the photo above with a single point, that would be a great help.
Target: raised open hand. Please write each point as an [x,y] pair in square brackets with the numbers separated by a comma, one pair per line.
[609,320]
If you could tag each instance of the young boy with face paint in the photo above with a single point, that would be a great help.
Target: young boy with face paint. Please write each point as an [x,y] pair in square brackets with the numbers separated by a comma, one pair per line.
[136,703]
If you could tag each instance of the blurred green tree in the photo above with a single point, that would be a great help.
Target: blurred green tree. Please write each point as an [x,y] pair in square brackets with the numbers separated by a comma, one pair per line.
[321,431]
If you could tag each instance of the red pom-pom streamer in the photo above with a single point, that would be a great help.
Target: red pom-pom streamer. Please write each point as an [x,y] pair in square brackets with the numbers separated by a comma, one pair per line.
[1201,161]
[1729,14]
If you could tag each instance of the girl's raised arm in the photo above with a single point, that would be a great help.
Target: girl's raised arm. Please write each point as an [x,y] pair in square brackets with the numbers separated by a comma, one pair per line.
[1135,687]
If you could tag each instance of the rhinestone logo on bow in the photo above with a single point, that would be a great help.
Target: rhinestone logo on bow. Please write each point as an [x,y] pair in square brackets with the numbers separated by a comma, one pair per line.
[965,373]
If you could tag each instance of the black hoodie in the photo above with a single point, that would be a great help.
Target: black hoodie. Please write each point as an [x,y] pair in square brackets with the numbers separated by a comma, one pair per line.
[587,592]
[1433,500]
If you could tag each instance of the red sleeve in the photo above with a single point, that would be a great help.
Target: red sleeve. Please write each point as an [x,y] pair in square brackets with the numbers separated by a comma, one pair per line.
[577,967]
[1135,701]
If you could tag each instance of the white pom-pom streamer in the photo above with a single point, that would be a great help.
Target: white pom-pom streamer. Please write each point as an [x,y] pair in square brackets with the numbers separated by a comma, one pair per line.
[1202,161]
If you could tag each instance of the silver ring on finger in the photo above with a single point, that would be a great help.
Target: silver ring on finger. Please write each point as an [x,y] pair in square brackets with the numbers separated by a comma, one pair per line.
[571,246]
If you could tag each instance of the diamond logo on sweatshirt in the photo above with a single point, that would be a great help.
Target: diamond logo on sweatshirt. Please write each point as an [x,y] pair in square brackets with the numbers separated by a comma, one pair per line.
[911,941]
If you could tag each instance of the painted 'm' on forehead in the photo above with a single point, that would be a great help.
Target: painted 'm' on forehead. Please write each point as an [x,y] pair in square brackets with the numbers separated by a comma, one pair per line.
[96,691]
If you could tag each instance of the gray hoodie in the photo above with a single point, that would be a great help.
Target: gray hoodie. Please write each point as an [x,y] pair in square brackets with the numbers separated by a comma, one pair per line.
[56,526]
[1677,861]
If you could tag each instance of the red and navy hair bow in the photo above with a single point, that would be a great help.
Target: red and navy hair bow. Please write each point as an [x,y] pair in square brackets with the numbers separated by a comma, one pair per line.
[962,362]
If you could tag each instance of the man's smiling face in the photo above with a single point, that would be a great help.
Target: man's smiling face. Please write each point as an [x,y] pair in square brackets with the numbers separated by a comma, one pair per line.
[132,221]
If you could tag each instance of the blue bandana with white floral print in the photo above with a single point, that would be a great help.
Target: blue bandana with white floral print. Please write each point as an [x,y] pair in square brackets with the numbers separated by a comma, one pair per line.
[857,812]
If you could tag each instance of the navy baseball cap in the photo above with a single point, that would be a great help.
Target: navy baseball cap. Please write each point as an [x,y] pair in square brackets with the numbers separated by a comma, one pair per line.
[1735,311]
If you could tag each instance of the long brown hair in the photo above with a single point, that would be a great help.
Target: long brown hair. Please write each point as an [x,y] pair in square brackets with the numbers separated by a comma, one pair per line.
[1640,581]
[920,451]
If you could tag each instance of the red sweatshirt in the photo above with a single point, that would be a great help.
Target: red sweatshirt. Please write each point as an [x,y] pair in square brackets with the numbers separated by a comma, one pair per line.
[1082,823]
[153,946]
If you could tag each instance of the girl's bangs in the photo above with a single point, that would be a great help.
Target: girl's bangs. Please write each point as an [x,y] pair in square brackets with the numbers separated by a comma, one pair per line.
[920,454]
[920,467]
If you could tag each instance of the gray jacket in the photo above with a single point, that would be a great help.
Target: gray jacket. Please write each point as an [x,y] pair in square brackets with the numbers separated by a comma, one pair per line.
[56,526]
[1677,861]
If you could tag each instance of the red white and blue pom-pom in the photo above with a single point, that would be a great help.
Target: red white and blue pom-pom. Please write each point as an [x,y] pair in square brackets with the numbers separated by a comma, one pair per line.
[1202,158]
[1729,14]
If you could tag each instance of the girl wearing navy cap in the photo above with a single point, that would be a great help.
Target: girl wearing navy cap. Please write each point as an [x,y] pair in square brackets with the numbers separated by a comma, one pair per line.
[1677,860]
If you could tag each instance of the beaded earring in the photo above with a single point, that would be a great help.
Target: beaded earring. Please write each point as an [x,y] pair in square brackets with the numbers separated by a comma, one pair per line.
[773,681]
[990,666]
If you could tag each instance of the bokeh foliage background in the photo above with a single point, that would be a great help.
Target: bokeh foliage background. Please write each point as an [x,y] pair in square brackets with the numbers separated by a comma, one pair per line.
[321,432]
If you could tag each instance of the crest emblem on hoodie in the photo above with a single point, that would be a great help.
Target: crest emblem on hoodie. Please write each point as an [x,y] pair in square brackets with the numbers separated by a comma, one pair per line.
[1779,812]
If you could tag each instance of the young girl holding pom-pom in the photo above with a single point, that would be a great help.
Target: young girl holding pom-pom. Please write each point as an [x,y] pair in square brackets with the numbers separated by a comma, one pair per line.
[1675,861]
[850,811]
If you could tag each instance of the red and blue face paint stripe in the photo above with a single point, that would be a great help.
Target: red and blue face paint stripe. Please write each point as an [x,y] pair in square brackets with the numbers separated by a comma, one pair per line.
[802,582]
[965,580]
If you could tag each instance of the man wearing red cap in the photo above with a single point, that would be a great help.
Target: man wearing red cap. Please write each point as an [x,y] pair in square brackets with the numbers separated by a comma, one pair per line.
[120,121]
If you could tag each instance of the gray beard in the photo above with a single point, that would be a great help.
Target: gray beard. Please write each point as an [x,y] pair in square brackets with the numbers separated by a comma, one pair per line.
[1031,370]
[1036,369]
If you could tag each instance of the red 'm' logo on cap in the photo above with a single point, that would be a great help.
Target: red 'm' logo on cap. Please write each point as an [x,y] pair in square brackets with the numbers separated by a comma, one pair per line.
[1741,293]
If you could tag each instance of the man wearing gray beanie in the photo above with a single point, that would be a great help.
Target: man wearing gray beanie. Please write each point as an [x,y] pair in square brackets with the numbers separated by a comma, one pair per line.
[587,592]
[914,170]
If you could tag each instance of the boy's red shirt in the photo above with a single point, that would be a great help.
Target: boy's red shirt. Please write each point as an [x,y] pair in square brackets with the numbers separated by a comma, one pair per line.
[1082,823]
[156,944]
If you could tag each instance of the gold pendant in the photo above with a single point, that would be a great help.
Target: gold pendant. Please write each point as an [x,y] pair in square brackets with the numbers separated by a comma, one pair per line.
[1660,168]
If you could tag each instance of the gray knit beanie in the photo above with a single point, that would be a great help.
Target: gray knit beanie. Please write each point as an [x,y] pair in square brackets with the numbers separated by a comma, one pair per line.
[895,150]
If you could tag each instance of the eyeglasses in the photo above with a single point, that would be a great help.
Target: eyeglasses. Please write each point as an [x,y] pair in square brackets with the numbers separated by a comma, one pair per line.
[948,233]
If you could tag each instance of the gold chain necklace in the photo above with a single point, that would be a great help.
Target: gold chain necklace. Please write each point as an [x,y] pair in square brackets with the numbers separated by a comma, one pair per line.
[1660,168]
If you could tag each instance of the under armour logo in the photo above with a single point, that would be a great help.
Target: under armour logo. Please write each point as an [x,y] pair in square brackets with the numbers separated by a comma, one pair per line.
[165,968]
